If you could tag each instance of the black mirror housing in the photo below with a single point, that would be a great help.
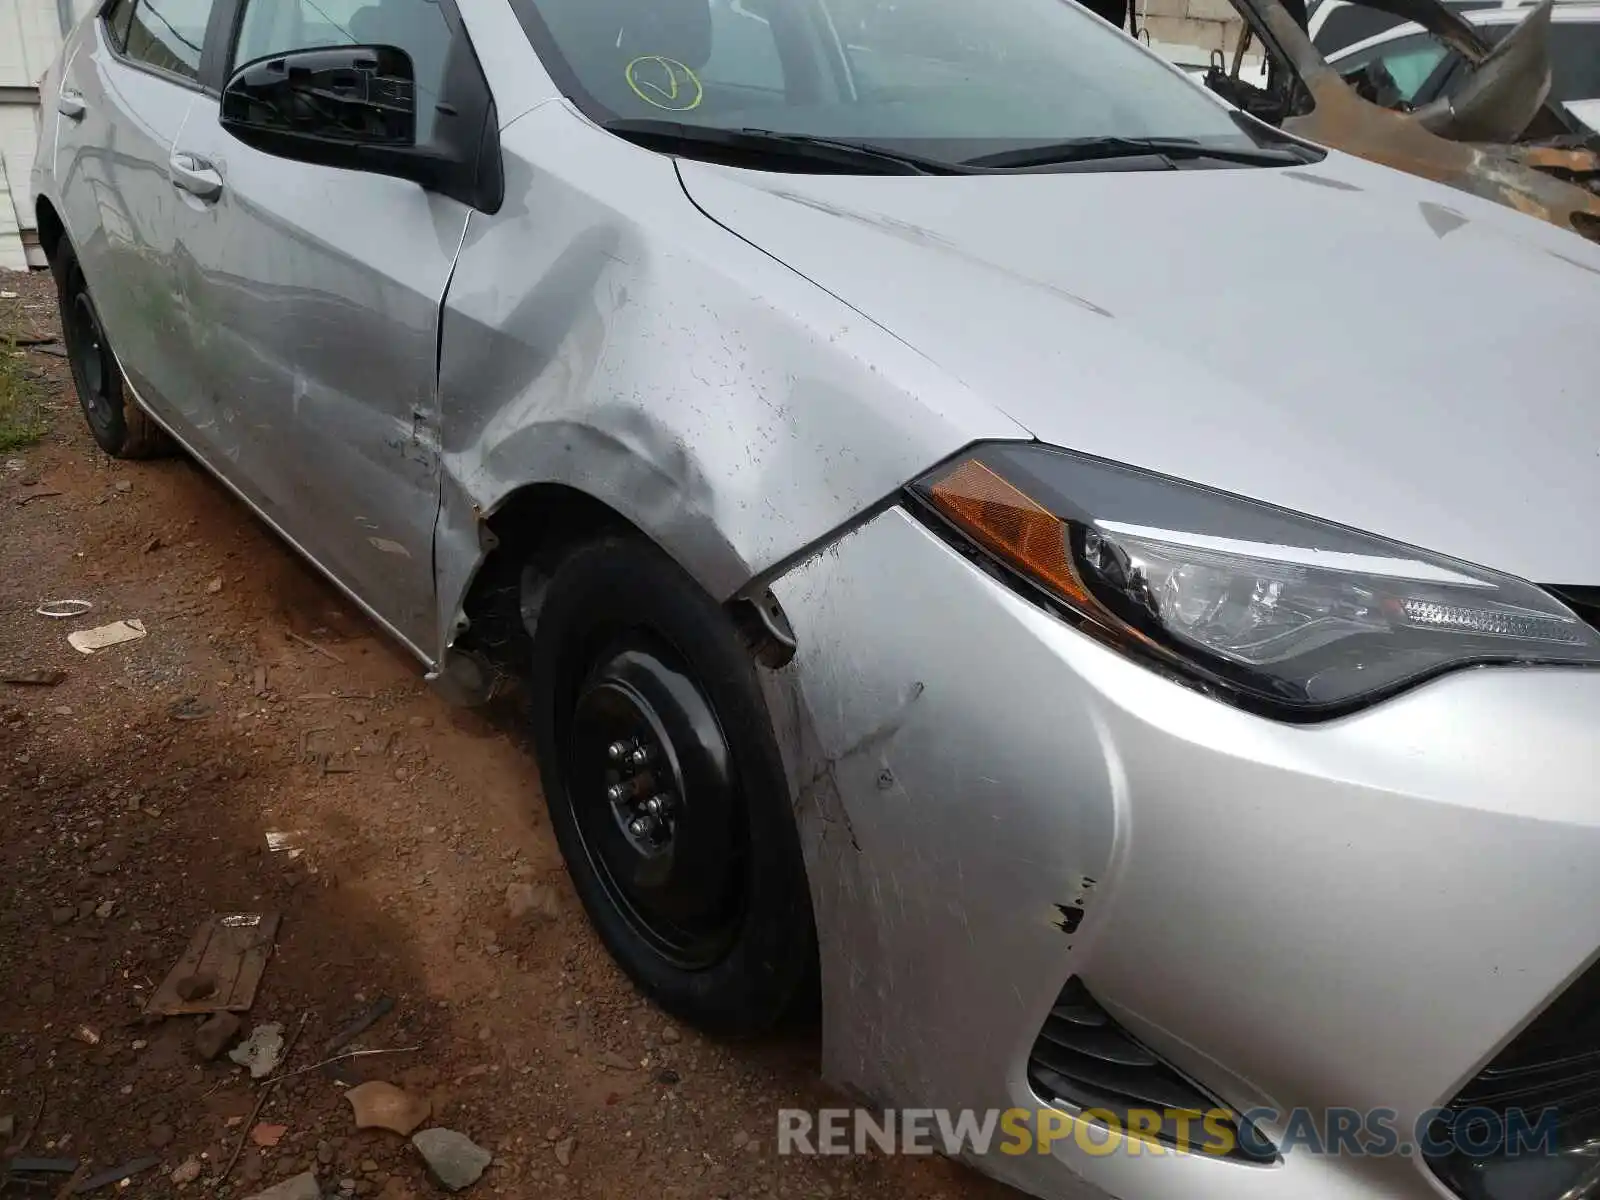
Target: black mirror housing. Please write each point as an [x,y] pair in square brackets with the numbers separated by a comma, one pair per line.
[355,107]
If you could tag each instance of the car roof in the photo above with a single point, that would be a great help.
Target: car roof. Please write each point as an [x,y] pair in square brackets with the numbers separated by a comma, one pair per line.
[1318,11]
[1581,12]
[1317,6]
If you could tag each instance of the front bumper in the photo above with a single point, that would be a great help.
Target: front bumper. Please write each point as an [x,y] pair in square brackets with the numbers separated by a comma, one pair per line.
[1353,914]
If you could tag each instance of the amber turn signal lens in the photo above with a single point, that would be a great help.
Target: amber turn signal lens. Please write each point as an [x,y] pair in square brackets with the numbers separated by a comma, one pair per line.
[1007,522]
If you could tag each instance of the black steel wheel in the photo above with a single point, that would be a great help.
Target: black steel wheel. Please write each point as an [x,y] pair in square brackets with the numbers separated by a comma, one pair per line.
[120,427]
[666,791]
[656,802]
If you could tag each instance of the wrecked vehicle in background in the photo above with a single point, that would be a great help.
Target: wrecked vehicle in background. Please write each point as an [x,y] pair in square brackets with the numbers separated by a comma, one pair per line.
[1424,68]
[1494,134]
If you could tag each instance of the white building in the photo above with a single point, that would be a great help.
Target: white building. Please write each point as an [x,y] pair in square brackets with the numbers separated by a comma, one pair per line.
[30,34]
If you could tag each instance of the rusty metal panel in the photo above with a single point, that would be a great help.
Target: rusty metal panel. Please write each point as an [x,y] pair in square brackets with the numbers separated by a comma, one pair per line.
[1343,120]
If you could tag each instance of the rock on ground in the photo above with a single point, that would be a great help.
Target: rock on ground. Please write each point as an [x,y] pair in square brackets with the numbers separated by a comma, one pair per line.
[187,1172]
[216,1034]
[300,1187]
[454,1159]
[525,902]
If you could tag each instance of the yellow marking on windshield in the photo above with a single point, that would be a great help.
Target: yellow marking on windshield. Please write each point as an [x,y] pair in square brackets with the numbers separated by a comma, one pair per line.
[665,83]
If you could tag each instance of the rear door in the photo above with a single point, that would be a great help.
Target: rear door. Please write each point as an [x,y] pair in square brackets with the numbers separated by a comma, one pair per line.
[317,293]
[123,101]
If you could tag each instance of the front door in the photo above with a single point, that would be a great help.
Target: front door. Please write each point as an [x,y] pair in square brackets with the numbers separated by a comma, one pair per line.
[124,98]
[318,292]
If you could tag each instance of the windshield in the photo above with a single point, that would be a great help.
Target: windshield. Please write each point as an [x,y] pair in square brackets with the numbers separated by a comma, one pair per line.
[951,80]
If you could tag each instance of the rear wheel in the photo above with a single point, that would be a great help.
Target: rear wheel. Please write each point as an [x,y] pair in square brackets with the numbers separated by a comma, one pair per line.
[120,427]
[666,790]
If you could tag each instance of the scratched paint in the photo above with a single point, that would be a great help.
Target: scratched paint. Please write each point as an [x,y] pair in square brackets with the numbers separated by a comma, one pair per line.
[1069,914]
[643,356]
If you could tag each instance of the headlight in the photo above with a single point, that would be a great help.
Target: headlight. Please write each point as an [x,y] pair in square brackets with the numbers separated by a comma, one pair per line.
[1273,610]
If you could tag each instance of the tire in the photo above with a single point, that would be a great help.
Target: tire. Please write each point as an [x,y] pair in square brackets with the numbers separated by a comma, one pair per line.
[120,427]
[717,927]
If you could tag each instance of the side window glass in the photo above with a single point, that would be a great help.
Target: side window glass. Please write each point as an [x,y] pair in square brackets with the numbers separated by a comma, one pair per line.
[168,35]
[418,27]
[1395,73]
[1410,69]
[117,20]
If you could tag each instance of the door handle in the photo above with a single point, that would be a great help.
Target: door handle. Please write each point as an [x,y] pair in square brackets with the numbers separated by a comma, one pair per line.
[71,105]
[195,175]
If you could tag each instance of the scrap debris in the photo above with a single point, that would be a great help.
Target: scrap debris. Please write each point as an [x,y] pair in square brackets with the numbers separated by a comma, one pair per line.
[114,1175]
[380,1105]
[261,1052]
[342,1068]
[190,708]
[42,1166]
[40,677]
[88,641]
[286,842]
[261,1101]
[63,609]
[314,646]
[221,968]
[381,1008]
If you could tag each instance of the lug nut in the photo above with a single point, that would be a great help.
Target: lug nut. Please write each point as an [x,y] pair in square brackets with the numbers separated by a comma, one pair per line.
[642,827]
[659,805]
[619,792]
[617,751]
[641,756]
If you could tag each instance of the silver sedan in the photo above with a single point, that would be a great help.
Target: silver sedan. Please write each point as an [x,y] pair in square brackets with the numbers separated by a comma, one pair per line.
[1096,595]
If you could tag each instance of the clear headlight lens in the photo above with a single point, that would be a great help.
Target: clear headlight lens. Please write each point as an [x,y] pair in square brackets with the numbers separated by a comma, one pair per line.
[1274,609]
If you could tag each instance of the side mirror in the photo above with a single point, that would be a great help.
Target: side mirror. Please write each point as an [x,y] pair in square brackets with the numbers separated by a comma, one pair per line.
[356,107]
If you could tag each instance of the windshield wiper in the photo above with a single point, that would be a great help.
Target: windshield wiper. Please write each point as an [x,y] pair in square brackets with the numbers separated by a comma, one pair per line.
[1172,149]
[798,147]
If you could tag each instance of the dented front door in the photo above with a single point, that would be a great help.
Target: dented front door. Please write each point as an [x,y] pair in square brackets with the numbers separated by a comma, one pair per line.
[316,294]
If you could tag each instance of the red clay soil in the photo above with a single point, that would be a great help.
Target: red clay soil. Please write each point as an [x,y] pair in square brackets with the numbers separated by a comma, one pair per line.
[135,796]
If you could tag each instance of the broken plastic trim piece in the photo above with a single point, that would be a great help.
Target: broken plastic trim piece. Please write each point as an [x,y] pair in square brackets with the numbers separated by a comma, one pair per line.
[765,628]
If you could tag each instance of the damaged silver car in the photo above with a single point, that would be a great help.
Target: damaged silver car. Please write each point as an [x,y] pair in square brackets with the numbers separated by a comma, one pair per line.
[981,550]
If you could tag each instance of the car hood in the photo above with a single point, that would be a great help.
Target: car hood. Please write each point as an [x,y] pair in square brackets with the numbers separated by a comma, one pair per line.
[1339,339]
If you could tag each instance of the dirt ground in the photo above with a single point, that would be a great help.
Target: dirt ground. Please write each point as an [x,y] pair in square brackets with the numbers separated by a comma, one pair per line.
[135,799]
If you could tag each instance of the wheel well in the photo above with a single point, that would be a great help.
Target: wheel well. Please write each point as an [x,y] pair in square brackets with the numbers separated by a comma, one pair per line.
[51,230]
[532,531]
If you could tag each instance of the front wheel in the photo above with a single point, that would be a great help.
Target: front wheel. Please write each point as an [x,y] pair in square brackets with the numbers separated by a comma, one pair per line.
[666,790]
[119,426]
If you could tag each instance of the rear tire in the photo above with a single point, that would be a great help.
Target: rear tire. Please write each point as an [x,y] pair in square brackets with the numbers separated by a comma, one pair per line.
[120,427]
[705,903]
